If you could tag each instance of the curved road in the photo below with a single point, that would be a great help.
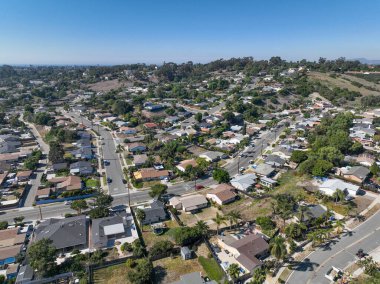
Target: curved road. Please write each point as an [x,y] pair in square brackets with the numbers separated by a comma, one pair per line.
[339,253]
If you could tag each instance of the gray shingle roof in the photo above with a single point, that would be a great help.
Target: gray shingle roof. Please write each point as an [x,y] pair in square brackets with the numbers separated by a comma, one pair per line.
[64,233]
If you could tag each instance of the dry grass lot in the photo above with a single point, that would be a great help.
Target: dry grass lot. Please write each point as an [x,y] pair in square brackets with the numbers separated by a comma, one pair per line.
[115,274]
[150,238]
[206,214]
[170,269]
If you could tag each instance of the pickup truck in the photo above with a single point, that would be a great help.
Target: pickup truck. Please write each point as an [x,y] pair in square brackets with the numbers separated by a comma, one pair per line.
[333,274]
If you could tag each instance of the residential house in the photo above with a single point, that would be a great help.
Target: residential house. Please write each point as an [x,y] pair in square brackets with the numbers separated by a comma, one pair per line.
[69,183]
[83,143]
[182,165]
[117,228]
[66,234]
[136,147]
[211,156]
[247,251]
[222,194]
[81,168]
[366,159]
[357,174]
[83,153]
[267,182]
[147,174]
[11,243]
[140,160]
[128,130]
[43,193]
[313,211]
[331,185]
[23,176]
[275,161]
[244,182]
[264,170]
[190,204]
[150,125]
[155,213]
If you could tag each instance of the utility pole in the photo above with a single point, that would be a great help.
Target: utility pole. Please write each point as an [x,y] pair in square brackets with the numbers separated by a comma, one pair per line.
[129,195]
[238,164]
[39,207]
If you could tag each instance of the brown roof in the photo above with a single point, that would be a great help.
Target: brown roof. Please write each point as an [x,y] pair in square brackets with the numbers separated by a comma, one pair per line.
[71,183]
[151,173]
[7,252]
[224,193]
[249,247]
[9,157]
[10,237]
[150,125]
[44,191]
[186,163]
[24,174]
[3,176]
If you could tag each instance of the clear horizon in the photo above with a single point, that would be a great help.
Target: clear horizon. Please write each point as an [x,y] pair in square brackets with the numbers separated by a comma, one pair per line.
[118,32]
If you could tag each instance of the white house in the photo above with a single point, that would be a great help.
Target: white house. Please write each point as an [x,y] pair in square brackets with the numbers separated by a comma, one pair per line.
[244,182]
[330,186]
[222,194]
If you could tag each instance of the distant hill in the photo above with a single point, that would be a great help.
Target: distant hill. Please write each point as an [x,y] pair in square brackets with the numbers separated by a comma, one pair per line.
[369,61]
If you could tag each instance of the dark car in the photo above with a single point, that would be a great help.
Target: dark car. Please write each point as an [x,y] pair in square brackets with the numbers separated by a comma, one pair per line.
[109,180]
[199,187]
[124,181]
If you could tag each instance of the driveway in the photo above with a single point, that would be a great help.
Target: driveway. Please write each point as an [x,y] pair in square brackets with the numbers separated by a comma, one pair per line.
[339,253]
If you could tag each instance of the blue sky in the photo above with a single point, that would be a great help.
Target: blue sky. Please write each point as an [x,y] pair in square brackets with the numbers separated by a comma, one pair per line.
[153,31]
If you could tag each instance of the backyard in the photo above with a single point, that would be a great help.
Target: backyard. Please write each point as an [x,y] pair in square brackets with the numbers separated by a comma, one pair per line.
[150,238]
[115,274]
[170,269]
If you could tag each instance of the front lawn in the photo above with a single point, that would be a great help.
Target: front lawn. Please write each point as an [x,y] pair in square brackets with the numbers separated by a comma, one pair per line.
[92,183]
[212,268]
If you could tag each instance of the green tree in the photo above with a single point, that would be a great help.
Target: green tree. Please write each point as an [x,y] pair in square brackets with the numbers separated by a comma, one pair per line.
[375,169]
[233,270]
[18,220]
[121,107]
[157,190]
[233,217]
[295,230]
[138,249]
[278,248]
[331,154]
[219,220]
[56,152]
[221,176]
[338,196]
[298,156]
[42,256]
[339,225]
[161,247]
[79,205]
[140,214]
[142,273]
[258,276]
[322,168]
[198,117]
[3,225]
[202,228]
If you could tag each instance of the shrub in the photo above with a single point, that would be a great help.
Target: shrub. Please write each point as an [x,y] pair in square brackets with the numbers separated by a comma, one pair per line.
[161,247]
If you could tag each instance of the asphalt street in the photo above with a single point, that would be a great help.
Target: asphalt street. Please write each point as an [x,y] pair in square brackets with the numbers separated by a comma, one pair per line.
[113,170]
[339,253]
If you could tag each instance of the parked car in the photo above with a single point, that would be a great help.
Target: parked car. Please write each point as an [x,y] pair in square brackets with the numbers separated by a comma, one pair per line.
[109,180]
[199,187]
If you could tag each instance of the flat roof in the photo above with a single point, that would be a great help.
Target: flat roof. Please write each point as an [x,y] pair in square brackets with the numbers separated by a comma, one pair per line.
[114,229]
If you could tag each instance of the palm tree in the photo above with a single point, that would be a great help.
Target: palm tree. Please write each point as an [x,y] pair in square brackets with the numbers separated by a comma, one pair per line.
[233,270]
[314,237]
[219,220]
[202,227]
[233,217]
[303,210]
[278,248]
[338,195]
